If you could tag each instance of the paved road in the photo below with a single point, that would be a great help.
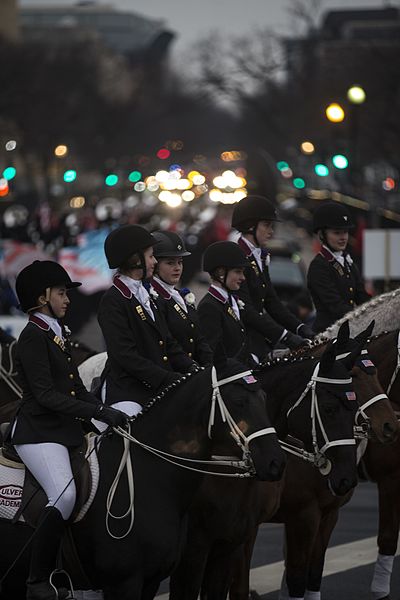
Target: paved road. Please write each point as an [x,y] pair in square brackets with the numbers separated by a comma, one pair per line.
[349,565]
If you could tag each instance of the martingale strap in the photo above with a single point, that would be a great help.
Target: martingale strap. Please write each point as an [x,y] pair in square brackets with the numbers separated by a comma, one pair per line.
[397,367]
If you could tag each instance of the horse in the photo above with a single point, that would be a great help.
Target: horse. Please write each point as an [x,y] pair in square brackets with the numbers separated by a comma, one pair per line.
[310,511]
[221,518]
[10,384]
[128,557]
[382,464]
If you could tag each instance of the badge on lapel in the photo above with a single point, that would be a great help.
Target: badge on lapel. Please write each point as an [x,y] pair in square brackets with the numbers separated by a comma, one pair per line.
[140,312]
[57,340]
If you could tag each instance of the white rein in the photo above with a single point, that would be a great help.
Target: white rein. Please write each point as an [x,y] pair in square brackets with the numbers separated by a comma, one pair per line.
[8,376]
[240,438]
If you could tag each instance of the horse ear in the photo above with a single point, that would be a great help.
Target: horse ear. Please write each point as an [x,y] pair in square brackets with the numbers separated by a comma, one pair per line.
[343,337]
[328,358]
[364,335]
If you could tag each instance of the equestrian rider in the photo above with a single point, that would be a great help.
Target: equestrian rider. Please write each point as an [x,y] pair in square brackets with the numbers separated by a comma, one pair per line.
[220,309]
[267,320]
[142,355]
[180,314]
[54,404]
[333,279]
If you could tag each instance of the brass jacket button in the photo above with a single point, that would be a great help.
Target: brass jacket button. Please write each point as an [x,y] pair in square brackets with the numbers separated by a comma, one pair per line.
[73,393]
[71,375]
[165,358]
[161,343]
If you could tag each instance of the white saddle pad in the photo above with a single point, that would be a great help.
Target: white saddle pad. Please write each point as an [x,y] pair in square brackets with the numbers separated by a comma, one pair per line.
[12,476]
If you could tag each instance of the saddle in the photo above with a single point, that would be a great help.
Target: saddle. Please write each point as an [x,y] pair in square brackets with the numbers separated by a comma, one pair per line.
[30,499]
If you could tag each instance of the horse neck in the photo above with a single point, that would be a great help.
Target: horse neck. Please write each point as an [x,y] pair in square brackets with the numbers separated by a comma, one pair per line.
[283,384]
[383,350]
[177,423]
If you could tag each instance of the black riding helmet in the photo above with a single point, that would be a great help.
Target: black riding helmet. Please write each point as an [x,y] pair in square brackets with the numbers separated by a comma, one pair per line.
[125,241]
[169,244]
[223,254]
[249,211]
[332,215]
[38,278]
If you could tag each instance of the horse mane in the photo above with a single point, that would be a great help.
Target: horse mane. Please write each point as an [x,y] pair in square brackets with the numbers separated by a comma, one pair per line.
[289,359]
[165,392]
[385,309]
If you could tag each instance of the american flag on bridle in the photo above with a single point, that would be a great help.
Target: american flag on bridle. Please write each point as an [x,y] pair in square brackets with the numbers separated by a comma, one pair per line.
[366,362]
[351,396]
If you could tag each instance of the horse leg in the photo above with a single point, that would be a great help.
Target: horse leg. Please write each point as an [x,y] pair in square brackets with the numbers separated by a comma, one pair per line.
[317,562]
[129,589]
[219,570]
[240,586]
[389,522]
[301,530]
[185,581]
[150,590]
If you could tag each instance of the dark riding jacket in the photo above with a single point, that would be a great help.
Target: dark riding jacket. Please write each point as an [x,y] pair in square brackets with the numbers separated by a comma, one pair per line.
[54,401]
[335,289]
[265,317]
[142,354]
[225,333]
[184,326]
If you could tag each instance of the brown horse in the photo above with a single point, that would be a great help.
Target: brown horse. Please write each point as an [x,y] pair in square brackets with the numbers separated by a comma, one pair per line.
[382,464]
[220,520]
[10,385]
[310,511]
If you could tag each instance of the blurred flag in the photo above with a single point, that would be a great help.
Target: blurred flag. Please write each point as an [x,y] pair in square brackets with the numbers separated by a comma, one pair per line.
[14,256]
[87,262]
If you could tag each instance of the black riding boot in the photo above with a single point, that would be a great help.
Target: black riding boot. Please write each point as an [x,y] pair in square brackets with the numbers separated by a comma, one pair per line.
[45,545]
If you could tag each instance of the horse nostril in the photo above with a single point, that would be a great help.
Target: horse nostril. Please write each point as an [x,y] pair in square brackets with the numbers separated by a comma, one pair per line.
[388,430]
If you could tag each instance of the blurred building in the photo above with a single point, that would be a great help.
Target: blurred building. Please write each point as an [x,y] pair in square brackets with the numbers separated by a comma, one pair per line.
[121,31]
[345,39]
[9,19]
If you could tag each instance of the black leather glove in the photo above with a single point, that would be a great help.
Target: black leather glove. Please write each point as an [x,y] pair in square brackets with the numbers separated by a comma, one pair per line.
[110,416]
[306,332]
[294,342]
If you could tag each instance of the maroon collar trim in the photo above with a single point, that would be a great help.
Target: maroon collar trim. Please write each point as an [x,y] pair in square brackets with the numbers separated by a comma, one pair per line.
[161,290]
[327,255]
[39,322]
[215,294]
[122,288]
[245,247]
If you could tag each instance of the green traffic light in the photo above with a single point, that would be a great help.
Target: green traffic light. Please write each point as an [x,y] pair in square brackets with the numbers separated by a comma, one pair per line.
[299,183]
[282,165]
[111,179]
[9,173]
[321,170]
[340,161]
[135,176]
[69,176]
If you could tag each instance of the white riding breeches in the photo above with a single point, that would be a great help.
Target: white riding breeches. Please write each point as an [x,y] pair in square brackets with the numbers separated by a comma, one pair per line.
[50,465]
[129,407]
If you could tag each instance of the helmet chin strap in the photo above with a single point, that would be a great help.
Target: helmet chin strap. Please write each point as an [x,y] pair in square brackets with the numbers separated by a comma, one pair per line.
[253,232]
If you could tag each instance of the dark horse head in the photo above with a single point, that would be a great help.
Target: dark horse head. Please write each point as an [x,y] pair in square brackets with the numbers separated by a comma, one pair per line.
[374,408]
[331,402]
[245,401]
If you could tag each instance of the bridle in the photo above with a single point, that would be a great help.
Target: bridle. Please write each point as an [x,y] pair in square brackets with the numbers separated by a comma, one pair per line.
[359,431]
[317,457]
[397,367]
[239,437]
[8,376]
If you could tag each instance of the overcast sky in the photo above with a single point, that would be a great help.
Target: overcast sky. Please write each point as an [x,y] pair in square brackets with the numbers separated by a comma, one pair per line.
[192,19]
